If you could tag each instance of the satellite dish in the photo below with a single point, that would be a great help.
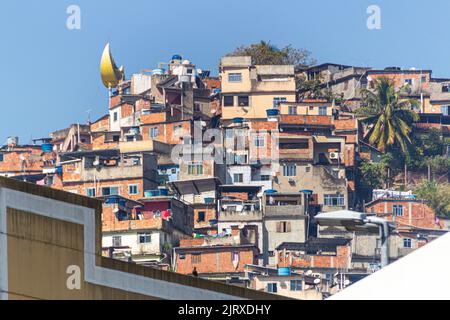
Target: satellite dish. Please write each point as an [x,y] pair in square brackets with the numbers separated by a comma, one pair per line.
[96,163]
[347,282]
[309,272]
[317,281]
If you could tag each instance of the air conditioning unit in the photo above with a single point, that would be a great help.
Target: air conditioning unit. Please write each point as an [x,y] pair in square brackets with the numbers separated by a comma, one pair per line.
[334,155]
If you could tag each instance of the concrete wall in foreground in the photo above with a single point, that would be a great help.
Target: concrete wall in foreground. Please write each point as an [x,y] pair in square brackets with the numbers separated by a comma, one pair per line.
[50,248]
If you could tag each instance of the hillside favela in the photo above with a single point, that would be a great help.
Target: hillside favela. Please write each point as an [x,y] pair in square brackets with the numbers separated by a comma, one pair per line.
[224,159]
[269,177]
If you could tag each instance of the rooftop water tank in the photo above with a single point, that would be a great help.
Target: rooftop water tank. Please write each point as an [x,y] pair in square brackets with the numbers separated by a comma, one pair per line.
[158,71]
[177,57]
[47,147]
[12,141]
[238,120]
[285,272]
[273,112]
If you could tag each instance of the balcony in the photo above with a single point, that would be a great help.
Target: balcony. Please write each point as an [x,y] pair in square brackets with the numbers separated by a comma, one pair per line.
[240,216]
[284,210]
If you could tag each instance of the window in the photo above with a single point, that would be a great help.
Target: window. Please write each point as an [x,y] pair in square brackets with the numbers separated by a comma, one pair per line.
[153,132]
[238,178]
[296,285]
[323,111]
[145,237]
[445,88]
[90,192]
[272,288]
[116,138]
[228,101]
[197,107]
[115,116]
[423,79]
[409,82]
[201,216]
[277,101]
[235,256]
[235,77]
[117,241]
[292,110]
[334,200]
[133,189]
[110,191]
[283,227]
[445,110]
[1,157]
[195,169]
[196,258]
[265,177]
[290,170]
[259,142]
[397,210]
[243,101]
[240,158]
[407,243]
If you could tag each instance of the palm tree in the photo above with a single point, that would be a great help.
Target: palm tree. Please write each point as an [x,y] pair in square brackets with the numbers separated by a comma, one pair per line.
[388,116]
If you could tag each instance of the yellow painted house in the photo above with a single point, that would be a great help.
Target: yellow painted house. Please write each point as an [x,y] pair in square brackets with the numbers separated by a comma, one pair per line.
[250,90]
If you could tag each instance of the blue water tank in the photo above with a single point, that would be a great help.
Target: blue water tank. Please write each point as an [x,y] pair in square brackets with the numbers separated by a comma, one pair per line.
[270,191]
[158,71]
[273,112]
[164,192]
[59,170]
[238,120]
[285,272]
[47,147]
[151,193]
[177,57]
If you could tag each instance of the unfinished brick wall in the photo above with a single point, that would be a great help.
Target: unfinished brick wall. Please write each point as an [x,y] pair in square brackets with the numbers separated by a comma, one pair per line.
[210,214]
[80,187]
[22,160]
[340,260]
[215,260]
[415,213]
[111,223]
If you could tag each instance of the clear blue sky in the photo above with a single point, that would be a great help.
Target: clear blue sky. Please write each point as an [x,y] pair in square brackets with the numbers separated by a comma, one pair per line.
[50,74]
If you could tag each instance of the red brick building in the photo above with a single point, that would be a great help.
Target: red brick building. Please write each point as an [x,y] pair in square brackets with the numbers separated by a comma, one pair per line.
[406,213]
[226,259]
[316,253]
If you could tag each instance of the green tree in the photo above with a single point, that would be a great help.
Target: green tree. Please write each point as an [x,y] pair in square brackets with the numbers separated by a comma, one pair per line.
[265,53]
[388,116]
[373,175]
[437,196]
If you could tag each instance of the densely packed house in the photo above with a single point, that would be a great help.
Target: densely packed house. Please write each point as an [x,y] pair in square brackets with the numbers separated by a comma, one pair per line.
[221,177]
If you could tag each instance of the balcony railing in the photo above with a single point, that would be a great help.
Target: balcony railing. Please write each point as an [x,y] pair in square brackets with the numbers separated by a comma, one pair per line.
[240,216]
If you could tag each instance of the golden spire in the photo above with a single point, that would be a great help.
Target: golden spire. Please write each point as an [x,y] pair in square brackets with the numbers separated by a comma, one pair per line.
[111,75]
